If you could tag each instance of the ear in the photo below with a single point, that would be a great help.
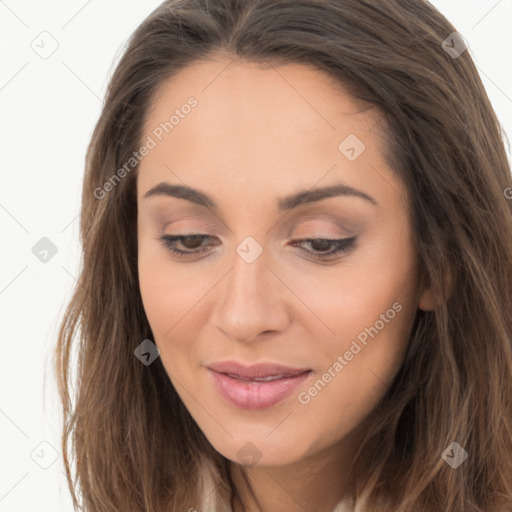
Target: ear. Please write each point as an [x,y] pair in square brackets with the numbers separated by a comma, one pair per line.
[427,300]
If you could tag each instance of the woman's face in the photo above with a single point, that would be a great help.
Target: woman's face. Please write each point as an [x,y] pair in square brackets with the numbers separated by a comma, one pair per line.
[229,148]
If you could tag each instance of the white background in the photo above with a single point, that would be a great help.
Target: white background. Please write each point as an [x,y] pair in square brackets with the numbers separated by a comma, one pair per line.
[48,111]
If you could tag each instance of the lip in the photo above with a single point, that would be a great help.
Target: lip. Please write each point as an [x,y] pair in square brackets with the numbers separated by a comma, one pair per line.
[259,370]
[237,385]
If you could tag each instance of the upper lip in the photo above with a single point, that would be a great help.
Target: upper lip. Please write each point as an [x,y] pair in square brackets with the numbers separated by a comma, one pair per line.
[256,370]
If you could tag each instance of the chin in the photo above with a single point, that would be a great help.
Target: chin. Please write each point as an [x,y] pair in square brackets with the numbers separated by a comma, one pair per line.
[259,450]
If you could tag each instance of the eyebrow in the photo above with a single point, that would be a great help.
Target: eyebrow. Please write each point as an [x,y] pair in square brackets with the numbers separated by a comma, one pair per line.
[285,203]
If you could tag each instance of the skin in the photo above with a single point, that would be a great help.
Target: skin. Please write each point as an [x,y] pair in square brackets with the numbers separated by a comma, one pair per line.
[258,134]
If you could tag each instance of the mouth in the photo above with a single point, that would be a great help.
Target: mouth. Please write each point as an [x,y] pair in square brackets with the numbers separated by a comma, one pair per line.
[258,386]
[258,379]
[255,371]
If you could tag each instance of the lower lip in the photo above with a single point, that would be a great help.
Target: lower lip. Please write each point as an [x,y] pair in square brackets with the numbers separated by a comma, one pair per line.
[255,394]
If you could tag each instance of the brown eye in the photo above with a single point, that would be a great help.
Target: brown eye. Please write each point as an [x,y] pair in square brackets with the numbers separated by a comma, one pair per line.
[191,243]
[320,246]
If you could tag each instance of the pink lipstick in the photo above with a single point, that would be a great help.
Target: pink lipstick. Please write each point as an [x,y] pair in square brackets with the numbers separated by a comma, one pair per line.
[258,386]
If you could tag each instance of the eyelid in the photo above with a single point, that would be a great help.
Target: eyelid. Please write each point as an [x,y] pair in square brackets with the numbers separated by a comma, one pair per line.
[316,221]
[322,232]
[199,224]
[347,222]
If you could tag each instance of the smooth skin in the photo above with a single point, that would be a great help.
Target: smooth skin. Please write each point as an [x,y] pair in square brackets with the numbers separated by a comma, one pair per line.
[258,134]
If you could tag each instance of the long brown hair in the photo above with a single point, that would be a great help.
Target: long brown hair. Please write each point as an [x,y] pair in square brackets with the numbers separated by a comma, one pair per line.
[128,442]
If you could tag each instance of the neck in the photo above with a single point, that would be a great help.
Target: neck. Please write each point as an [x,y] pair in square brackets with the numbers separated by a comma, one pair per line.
[317,482]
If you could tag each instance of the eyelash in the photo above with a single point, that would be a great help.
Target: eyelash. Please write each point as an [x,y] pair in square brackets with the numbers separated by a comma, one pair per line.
[343,246]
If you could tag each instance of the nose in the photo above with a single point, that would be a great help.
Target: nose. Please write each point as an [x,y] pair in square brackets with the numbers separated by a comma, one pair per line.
[251,301]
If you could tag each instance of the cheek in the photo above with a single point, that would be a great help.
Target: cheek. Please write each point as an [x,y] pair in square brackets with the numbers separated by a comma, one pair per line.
[172,302]
[157,295]
[160,296]
[350,297]
[369,307]
[359,365]
[164,309]
[166,289]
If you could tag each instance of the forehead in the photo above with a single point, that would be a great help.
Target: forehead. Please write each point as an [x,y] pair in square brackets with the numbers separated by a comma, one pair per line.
[239,93]
[255,126]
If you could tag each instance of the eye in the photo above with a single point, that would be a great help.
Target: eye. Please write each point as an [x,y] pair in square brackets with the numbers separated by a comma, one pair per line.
[192,244]
[321,247]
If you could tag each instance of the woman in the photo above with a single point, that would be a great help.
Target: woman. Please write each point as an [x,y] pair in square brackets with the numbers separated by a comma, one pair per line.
[297,275]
